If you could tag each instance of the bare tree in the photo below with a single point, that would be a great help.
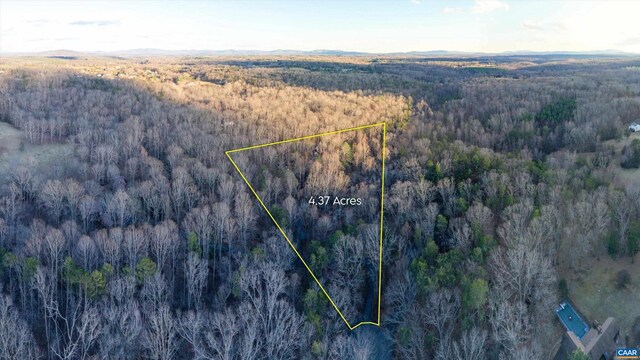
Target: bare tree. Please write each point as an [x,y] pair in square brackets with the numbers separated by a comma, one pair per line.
[81,330]
[164,243]
[440,311]
[622,214]
[516,221]
[135,245]
[340,348]
[523,273]
[362,347]
[25,179]
[53,248]
[191,326]
[510,322]
[471,345]
[121,332]
[424,192]
[222,336]
[161,336]
[3,232]
[415,346]
[133,135]
[44,286]
[399,296]
[326,176]
[222,224]
[278,253]
[446,190]
[250,341]
[588,218]
[52,197]
[87,208]
[196,271]
[226,189]
[110,246]
[245,215]
[10,208]
[426,221]
[401,199]
[461,234]
[290,205]
[73,195]
[16,340]
[200,222]
[120,208]
[281,327]
[348,256]
[89,331]
[481,217]
[444,349]
[87,252]
[154,291]
[183,191]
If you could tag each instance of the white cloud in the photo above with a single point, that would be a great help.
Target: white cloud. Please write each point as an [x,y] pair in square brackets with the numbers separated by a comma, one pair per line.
[543,26]
[479,7]
[488,6]
[539,26]
[94,22]
[416,2]
[451,10]
[630,41]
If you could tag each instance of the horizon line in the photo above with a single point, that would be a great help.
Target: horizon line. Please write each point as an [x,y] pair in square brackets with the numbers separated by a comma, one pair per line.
[187,52]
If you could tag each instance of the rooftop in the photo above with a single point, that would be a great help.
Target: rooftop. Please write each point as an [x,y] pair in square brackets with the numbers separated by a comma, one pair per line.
[598,342]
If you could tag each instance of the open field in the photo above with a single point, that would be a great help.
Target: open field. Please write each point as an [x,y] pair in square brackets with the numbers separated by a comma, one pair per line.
[15,151]
[614,173]
[596,295]
[629,178]
[620,143]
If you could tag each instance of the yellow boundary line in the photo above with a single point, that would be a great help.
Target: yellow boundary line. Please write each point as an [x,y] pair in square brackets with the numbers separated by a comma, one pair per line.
[384,139]
[308,137]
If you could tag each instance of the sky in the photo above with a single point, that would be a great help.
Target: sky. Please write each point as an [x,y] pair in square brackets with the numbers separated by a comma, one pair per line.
[370,26]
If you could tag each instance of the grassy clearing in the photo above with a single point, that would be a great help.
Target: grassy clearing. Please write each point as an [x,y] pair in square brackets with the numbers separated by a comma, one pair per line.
[594,290]
[9,138]
[627,178]
[618,144]
[14,151]
[595,293]
[616,175]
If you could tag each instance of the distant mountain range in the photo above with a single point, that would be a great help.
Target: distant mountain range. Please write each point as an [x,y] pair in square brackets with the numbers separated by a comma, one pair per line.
[325,52]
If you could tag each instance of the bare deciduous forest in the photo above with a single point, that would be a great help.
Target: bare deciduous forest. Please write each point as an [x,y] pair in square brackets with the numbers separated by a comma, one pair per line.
[511,183]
